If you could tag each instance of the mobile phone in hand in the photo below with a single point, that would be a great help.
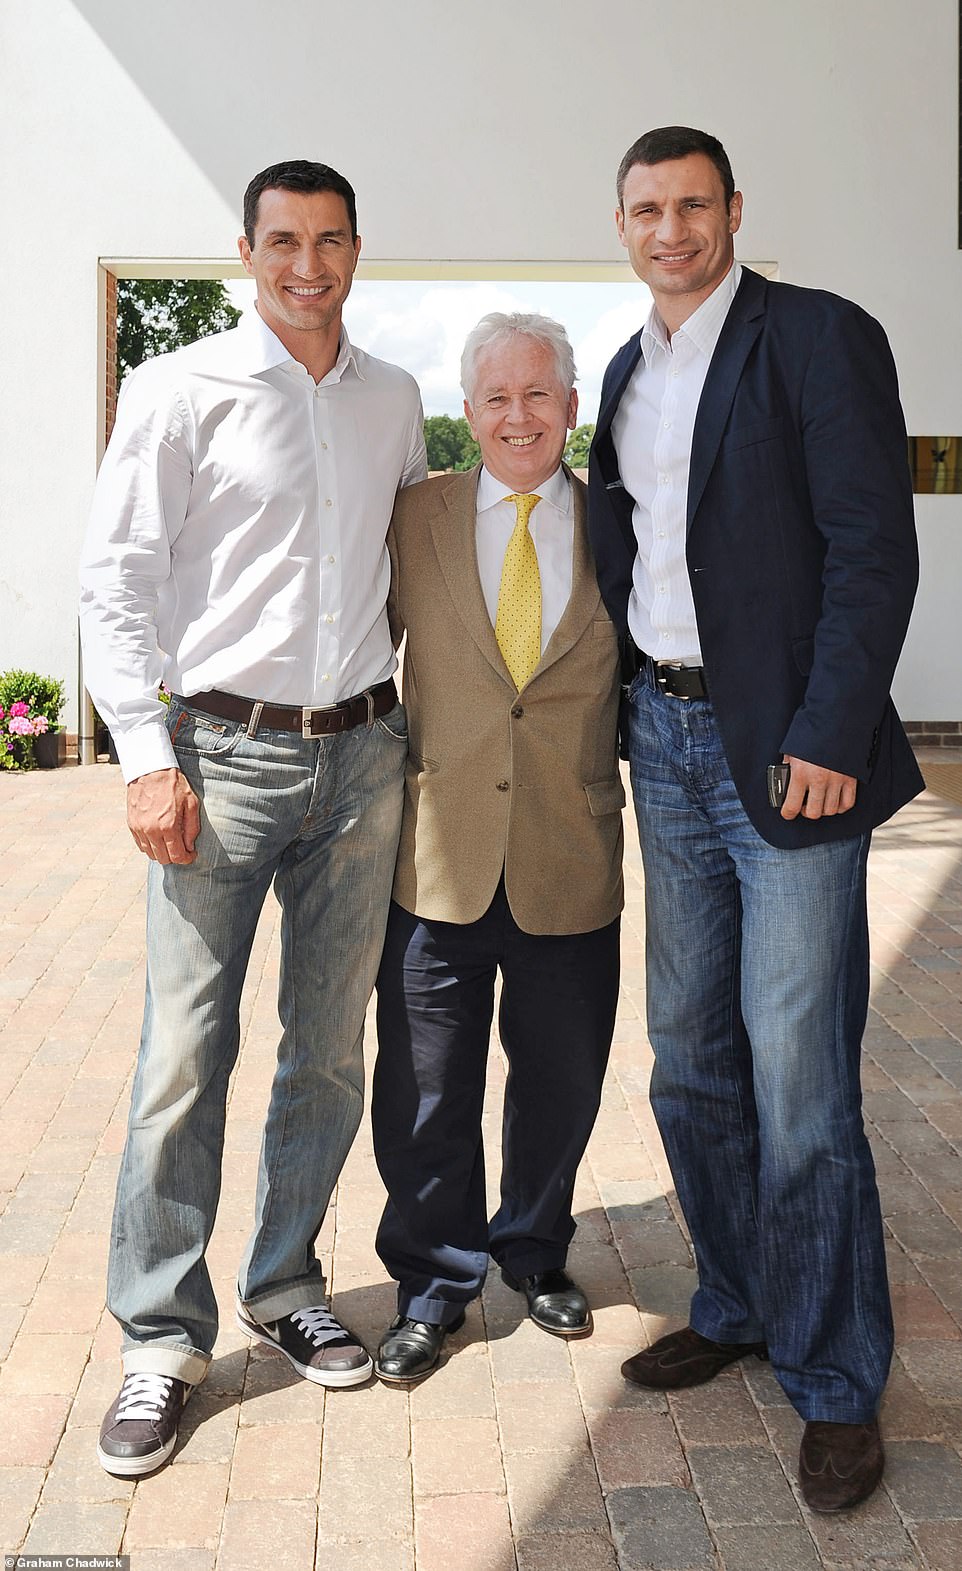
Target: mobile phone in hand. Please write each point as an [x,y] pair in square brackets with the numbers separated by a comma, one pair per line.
[779,776]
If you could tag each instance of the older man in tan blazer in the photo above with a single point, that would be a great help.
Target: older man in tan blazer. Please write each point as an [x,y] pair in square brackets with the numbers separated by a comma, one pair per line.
[510,857]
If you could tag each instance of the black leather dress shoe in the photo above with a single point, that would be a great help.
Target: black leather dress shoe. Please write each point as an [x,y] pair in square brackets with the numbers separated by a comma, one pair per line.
[410,1349]
[555,1303]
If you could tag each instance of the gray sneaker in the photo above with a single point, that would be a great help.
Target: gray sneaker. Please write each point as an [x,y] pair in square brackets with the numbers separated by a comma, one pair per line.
[315,1343]
[139,1430]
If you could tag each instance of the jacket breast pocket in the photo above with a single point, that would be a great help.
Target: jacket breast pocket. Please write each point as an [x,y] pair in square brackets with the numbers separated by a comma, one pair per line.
[753,432]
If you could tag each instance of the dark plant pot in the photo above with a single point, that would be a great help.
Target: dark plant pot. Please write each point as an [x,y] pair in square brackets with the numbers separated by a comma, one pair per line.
[50,749]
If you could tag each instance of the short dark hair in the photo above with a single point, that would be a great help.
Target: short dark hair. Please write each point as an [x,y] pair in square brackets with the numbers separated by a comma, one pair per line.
[676,141]
[297,174]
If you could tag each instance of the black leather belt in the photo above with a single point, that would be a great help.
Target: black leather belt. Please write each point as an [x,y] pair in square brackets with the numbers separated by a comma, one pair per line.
[363,708]
[678,681]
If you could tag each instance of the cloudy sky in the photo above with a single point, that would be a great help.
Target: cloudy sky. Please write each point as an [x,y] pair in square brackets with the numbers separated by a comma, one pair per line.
[422,326]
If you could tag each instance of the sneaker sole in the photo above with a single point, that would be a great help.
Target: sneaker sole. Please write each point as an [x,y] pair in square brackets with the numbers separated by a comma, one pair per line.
[134,1466]
[335,1378]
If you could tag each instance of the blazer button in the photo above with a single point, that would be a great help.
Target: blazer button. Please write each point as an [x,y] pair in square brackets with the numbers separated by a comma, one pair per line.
[504,785]
[517,712]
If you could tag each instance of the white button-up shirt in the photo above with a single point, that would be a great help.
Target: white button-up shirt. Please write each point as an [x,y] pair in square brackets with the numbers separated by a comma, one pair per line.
[237,539]
[652,431]
[552,529]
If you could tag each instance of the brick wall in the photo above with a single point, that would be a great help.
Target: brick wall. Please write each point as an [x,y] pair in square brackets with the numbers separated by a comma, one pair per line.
[934,733]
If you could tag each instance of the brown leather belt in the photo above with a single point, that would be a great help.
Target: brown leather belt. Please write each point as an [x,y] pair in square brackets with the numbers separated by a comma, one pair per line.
[363,708]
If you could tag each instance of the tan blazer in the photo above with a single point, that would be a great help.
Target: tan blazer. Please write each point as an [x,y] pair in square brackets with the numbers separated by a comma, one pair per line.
[527,781]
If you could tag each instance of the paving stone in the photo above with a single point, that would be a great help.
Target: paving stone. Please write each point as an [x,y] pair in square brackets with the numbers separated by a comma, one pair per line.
[57,1527]
[718,1413]
[371,1422]
[276,1462]
[459,1385]
[930,1233]
[741,1484]
[179,1508]
[258,1534]
[546,1497]
[472,1529]
[571,1552]
[32,1427]
[362,1554]
[766,1549]
[936,1368]
[44,1364]
[941,1544]
[362,1498]
[446,1451]
[19,1492]
[659,1528]
[178,1560]
[533,1417]
[924,1480]
[636,1448]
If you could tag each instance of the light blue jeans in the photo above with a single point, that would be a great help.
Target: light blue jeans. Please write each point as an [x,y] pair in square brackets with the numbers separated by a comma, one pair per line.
[321,819]
[757,996]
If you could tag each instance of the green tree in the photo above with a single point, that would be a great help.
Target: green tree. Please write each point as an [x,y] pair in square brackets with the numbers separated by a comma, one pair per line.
[158,314]
[449,443]
[576,452]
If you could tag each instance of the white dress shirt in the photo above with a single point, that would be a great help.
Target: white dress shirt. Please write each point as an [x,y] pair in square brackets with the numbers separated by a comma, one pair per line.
[652,431]
[552,529]
[237,539]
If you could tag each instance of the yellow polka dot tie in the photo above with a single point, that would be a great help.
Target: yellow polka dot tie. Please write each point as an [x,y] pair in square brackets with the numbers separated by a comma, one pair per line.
[518,624]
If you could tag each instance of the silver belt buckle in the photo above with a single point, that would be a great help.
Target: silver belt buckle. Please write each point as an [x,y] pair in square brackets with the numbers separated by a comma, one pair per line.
[308,714]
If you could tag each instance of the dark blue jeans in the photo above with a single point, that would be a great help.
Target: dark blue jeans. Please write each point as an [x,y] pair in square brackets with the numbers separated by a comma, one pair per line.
[757,997]
[435,1000]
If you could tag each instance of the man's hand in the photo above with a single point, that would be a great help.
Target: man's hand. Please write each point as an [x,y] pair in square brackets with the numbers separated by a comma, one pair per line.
[816,792]
[163,815]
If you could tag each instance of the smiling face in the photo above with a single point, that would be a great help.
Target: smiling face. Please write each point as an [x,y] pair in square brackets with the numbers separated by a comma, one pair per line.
[678,231]
[519,412]
[303,259]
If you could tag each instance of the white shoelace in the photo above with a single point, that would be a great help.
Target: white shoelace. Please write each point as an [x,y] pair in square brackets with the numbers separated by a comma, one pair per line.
[319,1325]
[143,1396]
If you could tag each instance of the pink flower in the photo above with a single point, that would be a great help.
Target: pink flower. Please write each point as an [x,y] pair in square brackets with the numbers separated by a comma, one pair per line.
[20,709]
[40,725]
[19,725]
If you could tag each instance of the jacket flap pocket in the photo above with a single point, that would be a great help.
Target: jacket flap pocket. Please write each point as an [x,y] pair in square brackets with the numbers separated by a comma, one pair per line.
[753,431]
[605,796]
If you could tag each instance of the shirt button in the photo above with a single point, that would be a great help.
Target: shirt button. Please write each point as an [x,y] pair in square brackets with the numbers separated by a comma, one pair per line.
[662,590]
[332,559]
[328,618]
[661,534]
[326,677]
[324,446]
[504,785]
[664,636]
[328,503]
[517,712]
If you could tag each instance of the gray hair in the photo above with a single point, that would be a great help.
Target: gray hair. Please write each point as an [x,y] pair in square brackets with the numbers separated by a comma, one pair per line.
[498,328]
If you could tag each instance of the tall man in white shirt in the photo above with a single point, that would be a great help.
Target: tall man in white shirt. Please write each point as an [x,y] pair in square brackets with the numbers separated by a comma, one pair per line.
[237,549]
[751,517]
[510,857]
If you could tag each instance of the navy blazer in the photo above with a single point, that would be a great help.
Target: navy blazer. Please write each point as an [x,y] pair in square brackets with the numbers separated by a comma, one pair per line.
[801,547]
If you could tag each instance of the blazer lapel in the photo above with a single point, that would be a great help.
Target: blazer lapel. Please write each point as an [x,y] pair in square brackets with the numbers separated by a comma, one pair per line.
[585,598]
[626,360]
[454,530]
[742,327]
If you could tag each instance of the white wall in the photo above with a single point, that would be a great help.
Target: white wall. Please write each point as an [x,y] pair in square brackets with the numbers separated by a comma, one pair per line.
[470,133]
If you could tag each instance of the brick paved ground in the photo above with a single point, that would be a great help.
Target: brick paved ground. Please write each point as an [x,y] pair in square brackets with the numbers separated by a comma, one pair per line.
[522,1451]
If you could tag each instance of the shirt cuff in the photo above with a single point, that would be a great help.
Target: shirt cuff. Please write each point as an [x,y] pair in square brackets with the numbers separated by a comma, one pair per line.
[145,750]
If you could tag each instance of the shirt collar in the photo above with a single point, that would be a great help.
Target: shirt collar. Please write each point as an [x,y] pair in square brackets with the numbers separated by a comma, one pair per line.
[556,490]
[260,349]
[702,328]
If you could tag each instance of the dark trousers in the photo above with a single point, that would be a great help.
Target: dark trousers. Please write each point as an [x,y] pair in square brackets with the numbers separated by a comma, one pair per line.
[435,1001]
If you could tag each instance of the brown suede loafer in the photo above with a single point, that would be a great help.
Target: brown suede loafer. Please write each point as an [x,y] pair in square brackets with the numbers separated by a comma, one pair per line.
[839,1464]
[685,1358]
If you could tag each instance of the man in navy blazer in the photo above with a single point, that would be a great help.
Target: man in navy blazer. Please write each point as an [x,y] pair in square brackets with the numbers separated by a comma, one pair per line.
[752,524]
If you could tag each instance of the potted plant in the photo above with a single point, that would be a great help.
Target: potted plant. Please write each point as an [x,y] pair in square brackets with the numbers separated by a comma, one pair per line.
[30,732]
